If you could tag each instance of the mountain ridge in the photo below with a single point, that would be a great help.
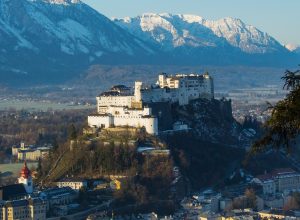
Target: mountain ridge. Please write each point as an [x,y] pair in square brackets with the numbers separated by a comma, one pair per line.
[182,27]
[54,41]
[293,48]
[58,35]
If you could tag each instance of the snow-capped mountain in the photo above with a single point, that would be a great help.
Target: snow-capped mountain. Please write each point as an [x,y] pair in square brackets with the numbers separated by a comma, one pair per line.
[247,37]
[56,40]
[170,31]
[293,48]
[59,32]
[67,25]
[173,31]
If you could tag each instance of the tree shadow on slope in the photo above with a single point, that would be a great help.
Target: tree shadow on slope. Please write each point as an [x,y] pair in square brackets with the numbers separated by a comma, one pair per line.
[204,163]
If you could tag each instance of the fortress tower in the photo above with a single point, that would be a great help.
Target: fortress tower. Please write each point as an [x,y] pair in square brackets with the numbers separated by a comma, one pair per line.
[137,91]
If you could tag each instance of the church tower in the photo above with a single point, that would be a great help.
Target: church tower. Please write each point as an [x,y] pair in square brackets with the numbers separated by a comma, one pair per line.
[26,179]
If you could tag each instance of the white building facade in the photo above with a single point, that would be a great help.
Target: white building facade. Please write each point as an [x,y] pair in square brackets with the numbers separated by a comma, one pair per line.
[124,116]
[123,107]
[75,184]
[179,88]
[279,180]
[183,88]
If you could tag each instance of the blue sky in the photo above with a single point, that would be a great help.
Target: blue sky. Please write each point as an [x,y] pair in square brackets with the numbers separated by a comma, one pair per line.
[279,18]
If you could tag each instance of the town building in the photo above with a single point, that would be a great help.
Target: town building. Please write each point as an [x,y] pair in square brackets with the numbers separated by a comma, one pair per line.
[279,214]
[279,180]
[26,179]
[30,152]
[123,106]
[2,203]
[12,192]
[58,196]
[73,183]
[124,116]
[27,209]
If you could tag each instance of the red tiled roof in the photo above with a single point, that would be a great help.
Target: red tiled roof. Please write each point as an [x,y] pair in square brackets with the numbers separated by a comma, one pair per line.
[25,172]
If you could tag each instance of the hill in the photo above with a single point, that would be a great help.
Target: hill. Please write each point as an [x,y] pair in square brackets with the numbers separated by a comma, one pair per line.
[213,131]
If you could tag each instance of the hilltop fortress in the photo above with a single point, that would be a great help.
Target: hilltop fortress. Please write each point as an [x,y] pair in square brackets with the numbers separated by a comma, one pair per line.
[143,106]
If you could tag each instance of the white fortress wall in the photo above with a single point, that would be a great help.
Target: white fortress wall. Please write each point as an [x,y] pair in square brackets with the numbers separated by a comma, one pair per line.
[122,116]
[105,121]
[103,101]
[128,112]
[150,123]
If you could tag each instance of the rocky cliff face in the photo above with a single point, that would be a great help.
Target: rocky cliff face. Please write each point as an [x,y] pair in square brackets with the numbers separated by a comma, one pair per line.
[210,120]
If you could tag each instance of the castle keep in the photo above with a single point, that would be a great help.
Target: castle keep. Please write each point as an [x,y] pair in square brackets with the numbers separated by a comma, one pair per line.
[123,106]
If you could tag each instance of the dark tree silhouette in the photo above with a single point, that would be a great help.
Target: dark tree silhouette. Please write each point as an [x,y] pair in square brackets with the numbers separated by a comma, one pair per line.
[284,124]
[72,132]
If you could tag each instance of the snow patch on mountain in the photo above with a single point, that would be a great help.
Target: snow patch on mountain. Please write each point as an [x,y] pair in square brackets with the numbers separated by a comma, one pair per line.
[293,47]
[59,2]
[75,30]
[191,18]
[21,42]
[246,37]
[171,31]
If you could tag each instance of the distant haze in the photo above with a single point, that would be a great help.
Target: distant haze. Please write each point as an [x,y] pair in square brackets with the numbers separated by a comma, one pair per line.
[281,19]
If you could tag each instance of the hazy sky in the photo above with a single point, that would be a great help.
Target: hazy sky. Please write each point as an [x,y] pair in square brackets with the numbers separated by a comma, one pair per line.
[279,18]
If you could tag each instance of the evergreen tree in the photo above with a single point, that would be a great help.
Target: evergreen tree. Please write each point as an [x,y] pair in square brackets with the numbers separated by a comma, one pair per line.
[284,124]
[72,132]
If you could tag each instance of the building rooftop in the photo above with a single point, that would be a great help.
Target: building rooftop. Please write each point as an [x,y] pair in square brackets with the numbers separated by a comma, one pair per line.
[27,151]
[277,173]
[114,93]
[33,201]
[120,87]
[71,179]
[283,171]
[265,177]
[189,76]
[17,203]
[57,192]
[25,172]
[13,191]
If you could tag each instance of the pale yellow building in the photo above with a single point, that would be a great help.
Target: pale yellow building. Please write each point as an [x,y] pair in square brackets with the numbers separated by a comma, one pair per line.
[268,215]
[29,152]
[26,209]
[32,155]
